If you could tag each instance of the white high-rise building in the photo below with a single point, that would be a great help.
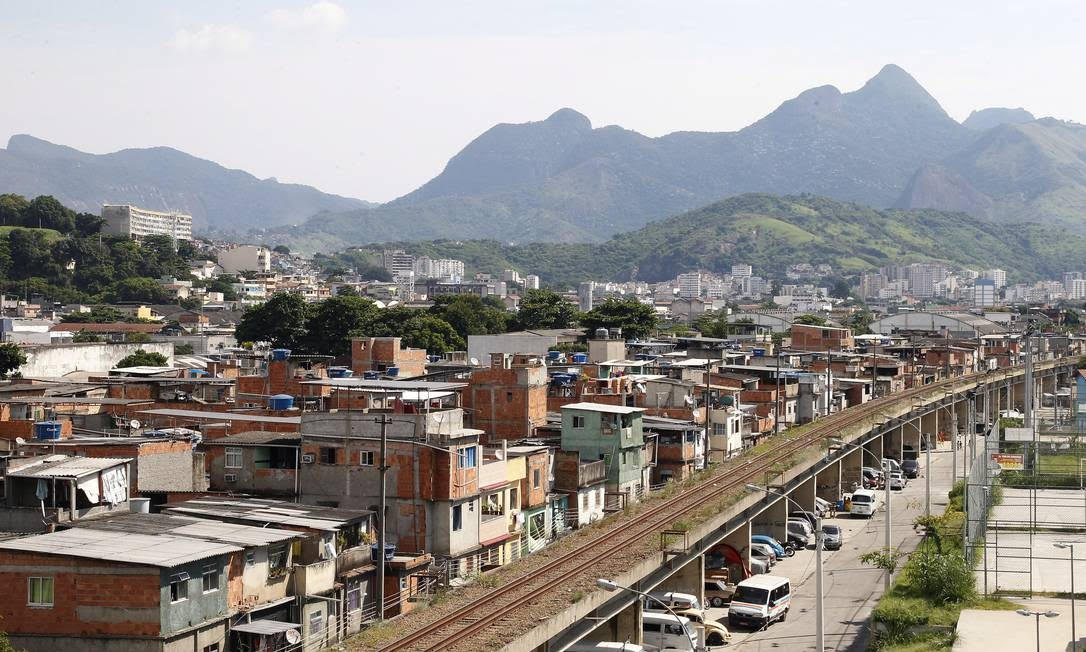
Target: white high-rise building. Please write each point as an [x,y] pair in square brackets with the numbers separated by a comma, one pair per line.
[139,222]
[984,292]
[997,275]
[1077,289]
[689,285]
[742,270]
[531,282]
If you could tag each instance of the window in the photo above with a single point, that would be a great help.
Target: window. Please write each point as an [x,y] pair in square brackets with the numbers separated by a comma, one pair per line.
[509,397]
[277,559]
[316,623]
[39,591]
[211,578]
[623,458]
[328,455]
[179,587]
[584,502]
[250,557]
[233,458]
[365,458]
[457,518]
[214,647]
[513,498]
[465,457]
[578,422]
[354,595]
[536,475]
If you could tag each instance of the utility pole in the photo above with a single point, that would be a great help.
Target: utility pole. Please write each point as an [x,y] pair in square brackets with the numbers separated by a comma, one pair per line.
[777,397]
[954,441]
[383,468]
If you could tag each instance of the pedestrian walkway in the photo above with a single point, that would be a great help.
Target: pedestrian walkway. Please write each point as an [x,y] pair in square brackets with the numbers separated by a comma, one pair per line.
[989,631]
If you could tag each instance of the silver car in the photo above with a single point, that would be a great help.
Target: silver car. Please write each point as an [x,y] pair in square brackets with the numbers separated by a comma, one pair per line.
[831,537]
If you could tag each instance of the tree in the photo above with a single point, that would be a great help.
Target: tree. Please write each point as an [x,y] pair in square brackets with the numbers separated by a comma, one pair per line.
[280,321]
[333,322]
[46,212]
[146,290]
[282,249]
[142,358]
[545,309]
[83,336]
[636,319]
[182,349]
[840,289]
[435,335]
[88,224]
[713,324]
[810,320]
[11,358]
[860,322]
[12,208]
[97,315]
[470,315]
[138,338]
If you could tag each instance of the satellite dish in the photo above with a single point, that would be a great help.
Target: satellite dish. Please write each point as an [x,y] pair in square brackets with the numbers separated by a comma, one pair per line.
[293,637]
[20,441]
[474,361]
[134,424]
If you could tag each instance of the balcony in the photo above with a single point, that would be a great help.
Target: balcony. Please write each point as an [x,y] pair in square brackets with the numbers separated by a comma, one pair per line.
[570,477]
[492,473]
[315,578]
[493,526]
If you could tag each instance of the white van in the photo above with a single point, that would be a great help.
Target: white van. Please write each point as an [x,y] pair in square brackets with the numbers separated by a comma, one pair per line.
[863,503]
[760,601]
[606,646]
[666,632]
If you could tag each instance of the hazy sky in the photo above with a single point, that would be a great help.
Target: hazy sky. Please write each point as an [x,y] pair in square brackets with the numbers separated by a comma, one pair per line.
[370,99]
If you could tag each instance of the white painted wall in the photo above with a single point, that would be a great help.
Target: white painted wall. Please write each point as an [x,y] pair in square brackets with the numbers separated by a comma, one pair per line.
[57,360]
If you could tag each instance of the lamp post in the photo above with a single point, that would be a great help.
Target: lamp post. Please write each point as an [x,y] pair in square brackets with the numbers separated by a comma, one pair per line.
[820,629]
[1037,616]
[611,585]
[1070,545]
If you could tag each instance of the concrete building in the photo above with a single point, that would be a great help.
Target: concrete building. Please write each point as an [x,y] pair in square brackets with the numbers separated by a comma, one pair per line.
[611,433]
[535,342]
[806,337]
[997,275]
[136,222]
[386,355]
[984,292]
[689,285]
[245,258]
[585,295]
[742,270]
[531,282]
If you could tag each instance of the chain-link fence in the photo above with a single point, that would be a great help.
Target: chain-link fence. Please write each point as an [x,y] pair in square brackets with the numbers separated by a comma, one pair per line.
[1023,498]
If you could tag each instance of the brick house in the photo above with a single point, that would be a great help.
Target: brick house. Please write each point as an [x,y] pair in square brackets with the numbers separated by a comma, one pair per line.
[807,337]
[383,353]
[508,400]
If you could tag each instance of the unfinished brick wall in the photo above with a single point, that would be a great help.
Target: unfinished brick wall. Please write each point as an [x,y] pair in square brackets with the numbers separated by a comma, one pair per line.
[379,353]
[91,597]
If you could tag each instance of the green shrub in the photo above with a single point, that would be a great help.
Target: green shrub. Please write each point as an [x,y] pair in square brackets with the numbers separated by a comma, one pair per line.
[941,577]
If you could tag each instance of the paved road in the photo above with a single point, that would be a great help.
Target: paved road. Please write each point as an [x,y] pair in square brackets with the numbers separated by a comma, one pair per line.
[851,589]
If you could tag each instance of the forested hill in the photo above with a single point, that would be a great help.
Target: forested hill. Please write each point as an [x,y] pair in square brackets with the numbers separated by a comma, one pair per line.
[770,233]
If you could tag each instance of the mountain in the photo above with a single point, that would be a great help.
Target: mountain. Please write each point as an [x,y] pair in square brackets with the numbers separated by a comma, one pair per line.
[560,179]
[159,178]
[1029,172]
[771,232]
[985,119]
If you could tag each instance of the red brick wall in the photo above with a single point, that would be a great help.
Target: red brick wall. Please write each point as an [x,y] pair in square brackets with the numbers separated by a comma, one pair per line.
[74,586]
[369,352]
[533,497]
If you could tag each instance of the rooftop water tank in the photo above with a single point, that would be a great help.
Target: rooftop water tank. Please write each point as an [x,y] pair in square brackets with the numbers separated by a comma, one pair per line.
[280,354]
[281,402]
[139,505]
[47,430]
[371,375]
[338,372]
[601,333]
[580,358]
[758,352]
[392,371]
[553,355]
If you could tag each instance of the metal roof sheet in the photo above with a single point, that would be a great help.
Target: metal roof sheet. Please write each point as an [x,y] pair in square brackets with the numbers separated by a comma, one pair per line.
[222,416]
[64,466]
[264,627]
[362,384]
[190,526]
[603,407]
[162,550]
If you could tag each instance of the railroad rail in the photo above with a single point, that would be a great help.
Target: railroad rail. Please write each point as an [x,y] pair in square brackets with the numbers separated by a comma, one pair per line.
[460,626]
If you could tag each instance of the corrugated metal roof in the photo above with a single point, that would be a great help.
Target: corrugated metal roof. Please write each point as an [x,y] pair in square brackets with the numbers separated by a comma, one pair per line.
[362,384]
[270,511]
[264,627]
[603,407]
[190,526]
[222,416]
[64,466]
[161,550]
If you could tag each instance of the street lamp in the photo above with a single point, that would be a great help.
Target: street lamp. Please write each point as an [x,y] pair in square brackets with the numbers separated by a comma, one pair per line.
[820,629]
[611,585]
[1037,616]
[1070,545]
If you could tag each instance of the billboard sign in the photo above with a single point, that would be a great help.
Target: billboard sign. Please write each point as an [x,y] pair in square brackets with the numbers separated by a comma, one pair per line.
[1008,461]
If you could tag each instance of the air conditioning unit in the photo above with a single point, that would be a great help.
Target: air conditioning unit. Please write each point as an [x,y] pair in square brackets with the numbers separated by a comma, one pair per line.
[230,477]
[308,458]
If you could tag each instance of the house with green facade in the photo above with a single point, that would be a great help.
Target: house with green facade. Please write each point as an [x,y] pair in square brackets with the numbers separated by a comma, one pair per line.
[612,433]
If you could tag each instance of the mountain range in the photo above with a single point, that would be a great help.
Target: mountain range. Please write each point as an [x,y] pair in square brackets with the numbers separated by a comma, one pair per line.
[887,144]
[770,232]
[159,178]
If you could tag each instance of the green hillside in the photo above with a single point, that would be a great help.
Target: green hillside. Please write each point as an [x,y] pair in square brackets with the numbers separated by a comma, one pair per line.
[771,232]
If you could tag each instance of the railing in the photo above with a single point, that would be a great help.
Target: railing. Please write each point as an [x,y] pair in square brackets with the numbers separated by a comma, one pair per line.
[492,473]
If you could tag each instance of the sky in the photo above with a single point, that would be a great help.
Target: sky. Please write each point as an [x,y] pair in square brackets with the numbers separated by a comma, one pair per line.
[371,99]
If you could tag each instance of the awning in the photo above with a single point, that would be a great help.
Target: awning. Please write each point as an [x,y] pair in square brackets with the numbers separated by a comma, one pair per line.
[264,627]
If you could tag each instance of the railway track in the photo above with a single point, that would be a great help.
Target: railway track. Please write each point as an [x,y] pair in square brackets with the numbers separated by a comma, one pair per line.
[460,626]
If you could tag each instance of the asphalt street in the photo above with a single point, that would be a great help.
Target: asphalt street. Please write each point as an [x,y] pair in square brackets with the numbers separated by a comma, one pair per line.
[851,589]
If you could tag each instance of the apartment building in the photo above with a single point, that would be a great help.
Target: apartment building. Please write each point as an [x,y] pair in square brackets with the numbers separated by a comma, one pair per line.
[131,221]
[614,434]
[508,399]
[245,258]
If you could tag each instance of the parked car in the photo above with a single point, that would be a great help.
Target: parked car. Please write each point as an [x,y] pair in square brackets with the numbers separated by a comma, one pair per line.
[758,567]
[718,592]
[799,532]
[831,537]
[763,552]
[674,599]
[872,478]
[891,463]
[715,631]
[911,468]
[667,632]
[897,480]
[772,543]
[907,453]
[810,517]
[608,646]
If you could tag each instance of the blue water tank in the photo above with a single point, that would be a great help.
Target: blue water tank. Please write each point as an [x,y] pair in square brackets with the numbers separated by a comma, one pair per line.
[280,354]
[371,375]
[47,430]
[281,402]
[553,355]
[392,371]
[338,372]
[580,358]
[390,551]
[758,352]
